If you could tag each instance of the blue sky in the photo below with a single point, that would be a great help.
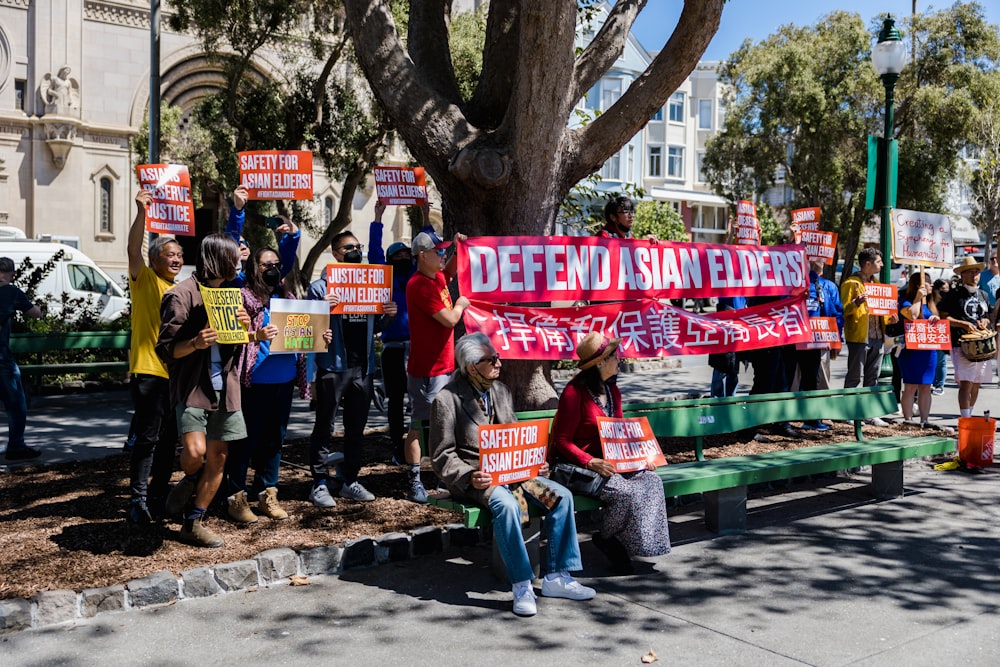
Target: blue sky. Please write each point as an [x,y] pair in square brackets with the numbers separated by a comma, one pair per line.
[757,19]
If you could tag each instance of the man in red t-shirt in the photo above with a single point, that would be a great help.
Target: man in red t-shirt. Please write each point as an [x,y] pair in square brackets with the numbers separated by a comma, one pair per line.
[432,332]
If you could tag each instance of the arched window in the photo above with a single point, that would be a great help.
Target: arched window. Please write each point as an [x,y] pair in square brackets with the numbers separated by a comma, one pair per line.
[105,210]
[328,212]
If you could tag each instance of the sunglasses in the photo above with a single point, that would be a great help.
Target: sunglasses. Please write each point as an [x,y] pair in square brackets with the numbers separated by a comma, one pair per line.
[351,246]
[493,361]
[270,265]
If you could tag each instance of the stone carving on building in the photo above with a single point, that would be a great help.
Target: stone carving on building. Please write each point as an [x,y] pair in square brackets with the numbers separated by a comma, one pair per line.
[60,93]
[60,138]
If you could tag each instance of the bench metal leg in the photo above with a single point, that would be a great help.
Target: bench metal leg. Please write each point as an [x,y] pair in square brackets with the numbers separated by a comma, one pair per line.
[532,540]
[726,510]
[887,480]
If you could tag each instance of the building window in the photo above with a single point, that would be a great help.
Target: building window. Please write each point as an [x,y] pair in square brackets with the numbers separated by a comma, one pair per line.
[328,210]
[631,163]
[593,99]
[20,93]
[655,161]
[106,205]
[675,107]
[611,91]
[699,174]
[612,169]
[675,161]
[704,114]
[658,116]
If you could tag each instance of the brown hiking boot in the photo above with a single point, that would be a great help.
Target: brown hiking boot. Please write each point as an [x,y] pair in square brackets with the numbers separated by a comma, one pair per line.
[267,504]
[239,508]
[194,531]
[179,496]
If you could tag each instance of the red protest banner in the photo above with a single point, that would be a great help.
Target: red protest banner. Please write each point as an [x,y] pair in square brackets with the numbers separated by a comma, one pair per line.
[513,452]
[277,174]
[882,299]
[820,246]
[747,225]
[401,186]
[825,335]
[521,269]
[629,443]
[927,335]
[648,328]
[362,288]
[807,218]
[172,209]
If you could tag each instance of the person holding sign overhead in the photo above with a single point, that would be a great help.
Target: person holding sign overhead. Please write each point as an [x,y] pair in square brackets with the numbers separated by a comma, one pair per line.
[966,307]
[204,385]
[634,521]
[344,378]
[474,397]
[917,366]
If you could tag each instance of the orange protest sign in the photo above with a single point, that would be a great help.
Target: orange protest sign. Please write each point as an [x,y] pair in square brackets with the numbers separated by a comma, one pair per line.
[629,443]
[361,288]
[172,209]
[401,186]
[825,335]
[807,218]
[927,335]
[820,246]
[513,452]
[881,299]
[747,225]
[277,174]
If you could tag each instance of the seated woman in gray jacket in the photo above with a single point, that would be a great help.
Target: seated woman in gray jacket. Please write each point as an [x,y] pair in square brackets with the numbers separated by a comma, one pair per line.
[473,398]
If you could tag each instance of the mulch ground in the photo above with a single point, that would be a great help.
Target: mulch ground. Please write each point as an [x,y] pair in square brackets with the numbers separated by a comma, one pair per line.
[63,526]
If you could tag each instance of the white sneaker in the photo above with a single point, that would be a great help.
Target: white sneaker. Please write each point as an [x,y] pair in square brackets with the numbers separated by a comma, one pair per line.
[320,496]
[564,586]
[875,421]
[524,599]
[354,491]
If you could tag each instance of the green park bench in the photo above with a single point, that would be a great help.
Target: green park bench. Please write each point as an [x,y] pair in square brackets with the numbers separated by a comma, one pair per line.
[723,481]
[28,348]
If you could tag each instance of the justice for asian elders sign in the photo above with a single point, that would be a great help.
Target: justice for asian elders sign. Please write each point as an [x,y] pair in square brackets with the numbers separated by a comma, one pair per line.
[222,304]
[277,174]
[521,269]
[300,324]
[629,444]
[362,288]
[172,209]
[401,186]
[513,453]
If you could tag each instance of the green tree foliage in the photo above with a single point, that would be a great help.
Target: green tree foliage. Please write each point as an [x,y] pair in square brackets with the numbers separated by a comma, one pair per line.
[986,176]
[660,220]
[802,102]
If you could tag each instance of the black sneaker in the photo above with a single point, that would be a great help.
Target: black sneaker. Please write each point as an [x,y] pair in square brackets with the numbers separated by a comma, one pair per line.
[22,453]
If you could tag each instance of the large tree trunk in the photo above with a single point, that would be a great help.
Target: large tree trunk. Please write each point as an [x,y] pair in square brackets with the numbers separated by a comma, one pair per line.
[504,160]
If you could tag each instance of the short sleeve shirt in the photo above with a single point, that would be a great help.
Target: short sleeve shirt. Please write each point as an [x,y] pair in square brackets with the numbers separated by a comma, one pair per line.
[147,292]
[12,299]
[432,352]
[966,304]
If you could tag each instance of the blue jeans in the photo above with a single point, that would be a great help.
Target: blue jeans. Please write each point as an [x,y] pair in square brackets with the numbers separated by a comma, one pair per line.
[941,370]
[266,408]
[563,553]
[724,384]
[15,403]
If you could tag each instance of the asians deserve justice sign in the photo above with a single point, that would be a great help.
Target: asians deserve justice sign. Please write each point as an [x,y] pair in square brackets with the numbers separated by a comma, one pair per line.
[221,304]
[172,208]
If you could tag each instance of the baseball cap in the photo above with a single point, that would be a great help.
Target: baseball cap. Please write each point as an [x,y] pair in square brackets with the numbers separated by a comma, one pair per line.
[394,248]
[425,241]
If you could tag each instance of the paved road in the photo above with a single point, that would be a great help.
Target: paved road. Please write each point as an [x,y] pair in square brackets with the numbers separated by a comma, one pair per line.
[823,576]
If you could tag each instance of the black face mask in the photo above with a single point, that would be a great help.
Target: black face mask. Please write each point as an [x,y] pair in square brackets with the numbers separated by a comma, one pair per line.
[271,276]
[401,268]
[353,257]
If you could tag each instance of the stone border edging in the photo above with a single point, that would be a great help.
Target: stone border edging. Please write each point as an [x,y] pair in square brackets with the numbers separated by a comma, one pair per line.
[273,567]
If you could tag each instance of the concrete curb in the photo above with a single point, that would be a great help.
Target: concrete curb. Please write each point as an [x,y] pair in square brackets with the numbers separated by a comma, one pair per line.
[274,567]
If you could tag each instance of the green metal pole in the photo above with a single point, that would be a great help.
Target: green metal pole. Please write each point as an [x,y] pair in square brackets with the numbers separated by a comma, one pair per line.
[888,177]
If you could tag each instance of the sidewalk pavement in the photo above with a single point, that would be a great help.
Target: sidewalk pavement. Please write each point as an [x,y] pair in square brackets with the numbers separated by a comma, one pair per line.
[824,576]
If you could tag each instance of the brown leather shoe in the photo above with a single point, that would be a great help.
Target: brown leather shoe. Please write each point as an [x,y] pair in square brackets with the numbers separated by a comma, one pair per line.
[239,508]
[179,496]
[267,504]
[195,532]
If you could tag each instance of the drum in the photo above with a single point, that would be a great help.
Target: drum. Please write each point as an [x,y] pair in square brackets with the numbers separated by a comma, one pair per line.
[979,345]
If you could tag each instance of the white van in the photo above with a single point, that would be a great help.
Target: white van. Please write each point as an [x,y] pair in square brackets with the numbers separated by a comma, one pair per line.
[75,274]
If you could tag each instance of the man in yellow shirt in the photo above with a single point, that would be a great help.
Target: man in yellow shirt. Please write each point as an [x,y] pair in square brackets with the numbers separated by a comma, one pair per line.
[154,422]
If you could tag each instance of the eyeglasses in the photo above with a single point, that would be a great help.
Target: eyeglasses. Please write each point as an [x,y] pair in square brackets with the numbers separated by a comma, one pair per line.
[437,251]
[270,265]
[351,246]
[493,361]
[626,211]
[244,244]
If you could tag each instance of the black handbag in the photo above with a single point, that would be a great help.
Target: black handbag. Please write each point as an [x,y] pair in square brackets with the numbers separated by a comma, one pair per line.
[580,481]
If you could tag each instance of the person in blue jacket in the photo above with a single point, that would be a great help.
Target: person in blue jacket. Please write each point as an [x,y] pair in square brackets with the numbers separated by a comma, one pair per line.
[286,233]
[829,305]
[396,335]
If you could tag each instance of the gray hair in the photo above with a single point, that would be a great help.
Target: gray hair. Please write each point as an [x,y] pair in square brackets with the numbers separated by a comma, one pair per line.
[156,246]
[469,349]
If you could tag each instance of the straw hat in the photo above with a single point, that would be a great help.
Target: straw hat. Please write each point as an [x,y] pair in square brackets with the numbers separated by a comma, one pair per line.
[595,348]
[969,262]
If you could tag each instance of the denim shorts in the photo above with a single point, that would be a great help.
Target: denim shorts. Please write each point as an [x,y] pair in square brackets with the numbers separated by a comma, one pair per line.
[422,393]
[215,424]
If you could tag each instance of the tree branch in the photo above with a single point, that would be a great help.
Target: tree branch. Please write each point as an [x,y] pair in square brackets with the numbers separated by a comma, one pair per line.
[427,41]
[493,90]
[594,143]
[606,47]
[319,88]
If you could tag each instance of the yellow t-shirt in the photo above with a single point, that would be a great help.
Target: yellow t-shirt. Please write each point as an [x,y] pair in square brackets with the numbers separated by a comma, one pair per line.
[147,292]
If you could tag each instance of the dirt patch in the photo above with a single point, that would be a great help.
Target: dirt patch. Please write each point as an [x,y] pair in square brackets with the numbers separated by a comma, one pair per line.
[63,527]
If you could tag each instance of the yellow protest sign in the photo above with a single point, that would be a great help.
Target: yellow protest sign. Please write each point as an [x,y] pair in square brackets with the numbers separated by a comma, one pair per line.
[221,305]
